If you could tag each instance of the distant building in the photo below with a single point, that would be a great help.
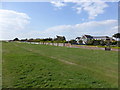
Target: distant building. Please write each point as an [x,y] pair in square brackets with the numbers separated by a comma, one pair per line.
[101,38]
[87,39]
[78,39]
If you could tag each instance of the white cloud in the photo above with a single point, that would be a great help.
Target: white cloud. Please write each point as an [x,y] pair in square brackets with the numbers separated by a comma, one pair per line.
[92,7]
[106,27]
[58,4]
[12,22]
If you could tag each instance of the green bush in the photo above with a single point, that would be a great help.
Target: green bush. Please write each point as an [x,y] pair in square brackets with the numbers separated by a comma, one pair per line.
[118,43]
[114,43]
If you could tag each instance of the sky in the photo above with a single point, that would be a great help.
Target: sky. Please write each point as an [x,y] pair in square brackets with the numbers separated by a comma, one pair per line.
[48,19]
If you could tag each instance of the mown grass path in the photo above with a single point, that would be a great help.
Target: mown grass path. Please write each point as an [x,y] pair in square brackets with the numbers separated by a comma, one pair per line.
[45,66]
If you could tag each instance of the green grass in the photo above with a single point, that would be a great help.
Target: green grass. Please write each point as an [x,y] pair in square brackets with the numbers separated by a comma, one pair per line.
[111,47]
[45,66]
[0,65]
[114,47]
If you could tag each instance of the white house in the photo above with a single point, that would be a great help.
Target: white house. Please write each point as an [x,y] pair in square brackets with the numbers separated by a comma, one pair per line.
[78,39]
[87,39]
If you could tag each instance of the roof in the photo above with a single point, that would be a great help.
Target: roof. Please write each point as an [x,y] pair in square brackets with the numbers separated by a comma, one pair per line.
[100,37]
[59,36]
[88,36]
[78,37]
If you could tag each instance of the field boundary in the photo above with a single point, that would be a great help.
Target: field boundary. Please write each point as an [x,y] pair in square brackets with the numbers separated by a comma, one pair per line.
[72,46]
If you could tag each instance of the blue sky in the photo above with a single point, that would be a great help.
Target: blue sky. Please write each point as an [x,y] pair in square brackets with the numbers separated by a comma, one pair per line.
[48,20]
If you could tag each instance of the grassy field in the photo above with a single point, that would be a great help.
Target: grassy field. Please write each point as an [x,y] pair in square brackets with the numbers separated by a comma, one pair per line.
[45,66]
[0,65]
[111,47]
[114,47]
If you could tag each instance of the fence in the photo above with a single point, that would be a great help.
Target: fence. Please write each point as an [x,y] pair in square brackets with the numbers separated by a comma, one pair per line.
[54,44]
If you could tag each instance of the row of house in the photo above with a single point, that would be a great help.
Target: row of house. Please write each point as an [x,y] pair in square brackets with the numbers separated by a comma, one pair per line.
[88,38]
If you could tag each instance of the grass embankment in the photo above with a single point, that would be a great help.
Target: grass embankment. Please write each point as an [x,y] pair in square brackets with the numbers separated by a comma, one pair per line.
[45,66]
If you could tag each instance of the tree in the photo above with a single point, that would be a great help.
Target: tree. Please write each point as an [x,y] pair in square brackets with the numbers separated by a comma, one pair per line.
[31,40]
[47,39]
[102,42]
[60,38]
[117,35]
[16,39]
[23,39]
[73,41]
